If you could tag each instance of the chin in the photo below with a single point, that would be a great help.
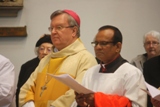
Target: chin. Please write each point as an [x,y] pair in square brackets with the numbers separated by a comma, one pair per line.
[100,58]
[42,57]
[153,54]
[56,43]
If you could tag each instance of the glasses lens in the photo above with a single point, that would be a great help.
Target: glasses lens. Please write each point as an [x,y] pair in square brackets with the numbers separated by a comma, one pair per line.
[93,44]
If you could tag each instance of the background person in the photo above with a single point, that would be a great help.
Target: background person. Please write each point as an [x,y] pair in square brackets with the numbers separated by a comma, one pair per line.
[151,42]
[70,58]
[43,47]
[152,76]
[7,82]
[116,83]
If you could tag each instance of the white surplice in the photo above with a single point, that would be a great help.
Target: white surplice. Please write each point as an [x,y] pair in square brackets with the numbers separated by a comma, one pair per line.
[7,82]
[126,81]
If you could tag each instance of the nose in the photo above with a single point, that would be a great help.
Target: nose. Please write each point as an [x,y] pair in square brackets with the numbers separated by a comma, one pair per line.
[45,51]
[151,44]
[98,46]
[53,31]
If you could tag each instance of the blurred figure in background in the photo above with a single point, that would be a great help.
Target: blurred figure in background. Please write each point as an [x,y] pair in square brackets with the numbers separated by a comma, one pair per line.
[43,47]
[7,82]
[151,44]
[151,73]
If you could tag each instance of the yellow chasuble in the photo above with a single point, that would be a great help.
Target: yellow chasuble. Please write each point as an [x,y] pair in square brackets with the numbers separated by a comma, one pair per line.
[51,83]
[44,90]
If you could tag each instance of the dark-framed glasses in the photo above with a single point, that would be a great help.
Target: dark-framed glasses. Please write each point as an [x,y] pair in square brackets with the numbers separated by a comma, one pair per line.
[101,43]
[58,28]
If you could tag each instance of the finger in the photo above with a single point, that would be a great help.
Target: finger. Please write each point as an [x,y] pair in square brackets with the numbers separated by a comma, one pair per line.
[80,99]
[75,93]
[80,102]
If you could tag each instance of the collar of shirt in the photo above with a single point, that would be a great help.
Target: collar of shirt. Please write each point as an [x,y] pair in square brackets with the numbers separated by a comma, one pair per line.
[113,66]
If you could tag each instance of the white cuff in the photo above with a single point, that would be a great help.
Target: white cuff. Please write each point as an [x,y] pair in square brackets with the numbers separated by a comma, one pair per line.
[29,104]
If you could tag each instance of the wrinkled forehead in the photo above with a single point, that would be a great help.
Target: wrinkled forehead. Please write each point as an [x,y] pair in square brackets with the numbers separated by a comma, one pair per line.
[150,38]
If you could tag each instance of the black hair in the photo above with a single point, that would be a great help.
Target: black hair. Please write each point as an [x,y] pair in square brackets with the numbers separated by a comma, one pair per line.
[45,39]
[117,37]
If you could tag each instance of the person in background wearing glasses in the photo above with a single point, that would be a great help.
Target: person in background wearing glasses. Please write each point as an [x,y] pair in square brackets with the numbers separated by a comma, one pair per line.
[70,57]
[151,42]
[151,73]
[43,47]
[116,82]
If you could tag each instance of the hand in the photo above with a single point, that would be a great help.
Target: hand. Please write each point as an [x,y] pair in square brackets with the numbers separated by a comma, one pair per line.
[80,99]
[89,98]
[84,100]
[155,102]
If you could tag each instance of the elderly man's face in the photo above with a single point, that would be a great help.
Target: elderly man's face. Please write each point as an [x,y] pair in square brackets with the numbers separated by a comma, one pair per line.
[106,52]
[62,34]
[152,46]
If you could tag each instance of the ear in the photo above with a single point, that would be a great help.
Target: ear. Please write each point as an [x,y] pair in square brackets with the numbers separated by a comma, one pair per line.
[118,46]
[74,31]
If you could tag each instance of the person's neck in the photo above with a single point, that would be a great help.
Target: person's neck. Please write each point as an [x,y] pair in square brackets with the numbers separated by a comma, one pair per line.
[106,63]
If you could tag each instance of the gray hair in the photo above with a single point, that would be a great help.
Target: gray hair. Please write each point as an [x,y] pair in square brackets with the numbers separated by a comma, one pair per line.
[36,50]
[71,20]
[152,33]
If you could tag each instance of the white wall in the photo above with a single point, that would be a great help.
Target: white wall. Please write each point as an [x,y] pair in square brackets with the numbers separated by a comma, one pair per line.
[132,17]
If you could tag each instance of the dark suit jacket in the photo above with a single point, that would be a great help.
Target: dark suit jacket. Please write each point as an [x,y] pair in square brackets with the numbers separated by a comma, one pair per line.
[25,72]
[152,73]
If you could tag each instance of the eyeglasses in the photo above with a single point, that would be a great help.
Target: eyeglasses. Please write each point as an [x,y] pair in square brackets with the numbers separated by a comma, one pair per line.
[48,49]
[102,43]
[58,28]
[154,43]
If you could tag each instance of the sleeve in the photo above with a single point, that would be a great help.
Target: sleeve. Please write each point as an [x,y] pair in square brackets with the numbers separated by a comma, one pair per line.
[133,85]
[67,99]
[27,90]
[74,104]
[135,62]
[29,104]
[104,100]
[7,83]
